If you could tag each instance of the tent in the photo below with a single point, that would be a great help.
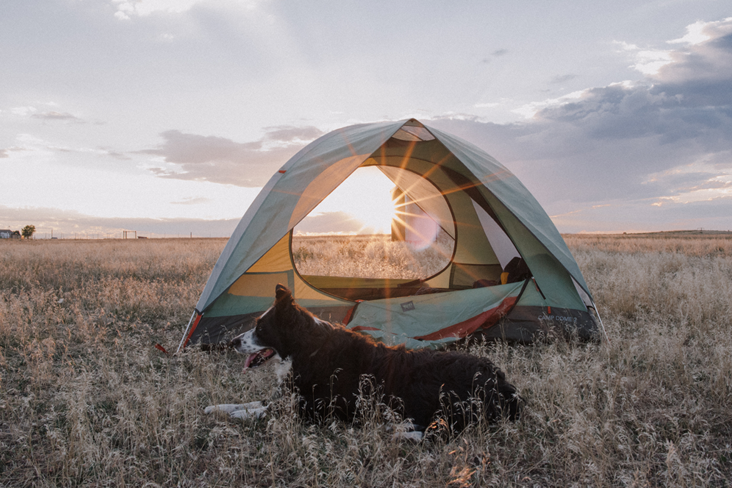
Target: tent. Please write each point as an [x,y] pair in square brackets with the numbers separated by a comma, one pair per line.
[491,216]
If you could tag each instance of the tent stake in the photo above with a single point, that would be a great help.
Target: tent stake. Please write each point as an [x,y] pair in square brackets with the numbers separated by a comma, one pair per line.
[185,334]
[597,312]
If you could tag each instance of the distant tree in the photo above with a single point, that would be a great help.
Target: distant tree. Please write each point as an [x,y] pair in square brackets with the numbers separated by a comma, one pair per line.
[28,231]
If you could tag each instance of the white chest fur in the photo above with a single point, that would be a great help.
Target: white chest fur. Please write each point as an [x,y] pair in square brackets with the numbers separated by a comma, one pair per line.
[282,369]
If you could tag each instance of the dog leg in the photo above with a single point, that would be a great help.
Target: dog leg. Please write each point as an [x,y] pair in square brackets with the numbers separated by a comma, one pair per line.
[407,431]
[250,412]
[230,408]
[413,436]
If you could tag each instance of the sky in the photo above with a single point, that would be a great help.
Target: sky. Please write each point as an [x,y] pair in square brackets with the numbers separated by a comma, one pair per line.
[168,116]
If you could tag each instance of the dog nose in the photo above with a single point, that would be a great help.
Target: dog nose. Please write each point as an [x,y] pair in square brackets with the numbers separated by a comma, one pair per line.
[235,342]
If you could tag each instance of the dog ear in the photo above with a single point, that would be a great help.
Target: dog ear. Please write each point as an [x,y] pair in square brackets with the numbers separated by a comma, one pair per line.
[282,293]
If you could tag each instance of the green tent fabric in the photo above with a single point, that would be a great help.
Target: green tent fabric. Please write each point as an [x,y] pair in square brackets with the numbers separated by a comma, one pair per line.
[411,320]
[469,194]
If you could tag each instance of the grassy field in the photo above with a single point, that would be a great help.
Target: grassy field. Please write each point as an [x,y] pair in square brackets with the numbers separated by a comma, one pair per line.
[86,399]
[369,257]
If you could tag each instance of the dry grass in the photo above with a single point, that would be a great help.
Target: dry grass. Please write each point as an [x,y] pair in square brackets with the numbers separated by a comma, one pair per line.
[710,245]
[369,257]
[86,400]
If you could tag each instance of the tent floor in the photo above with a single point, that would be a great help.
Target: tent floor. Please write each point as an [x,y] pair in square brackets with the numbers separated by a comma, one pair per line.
[380,293]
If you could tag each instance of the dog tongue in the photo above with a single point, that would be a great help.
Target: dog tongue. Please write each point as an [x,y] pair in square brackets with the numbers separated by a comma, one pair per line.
[249,360]
[262,355]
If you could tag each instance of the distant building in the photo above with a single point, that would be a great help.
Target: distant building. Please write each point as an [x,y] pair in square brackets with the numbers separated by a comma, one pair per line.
[9,234]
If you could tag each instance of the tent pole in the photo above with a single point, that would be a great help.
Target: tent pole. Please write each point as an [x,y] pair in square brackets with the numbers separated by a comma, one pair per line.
[597,312]
[185,334]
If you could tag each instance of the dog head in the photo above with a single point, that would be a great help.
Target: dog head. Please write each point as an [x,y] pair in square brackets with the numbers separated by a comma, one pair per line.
[272,330]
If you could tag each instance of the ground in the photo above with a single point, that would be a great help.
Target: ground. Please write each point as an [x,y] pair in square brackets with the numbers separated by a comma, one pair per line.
[87,400]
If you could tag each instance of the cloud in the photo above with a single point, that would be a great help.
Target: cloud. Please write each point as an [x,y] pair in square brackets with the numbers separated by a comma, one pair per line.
[326,222]
[116,155]
[530,109]
[37,147]
[662,138]
[647,61]
[496,54]
[7,152]
[56,116]
[52,115]
[292,135]
[127,9]
[694,183]
[562,79]
[193,201]
[23,111]
[700,31]
[702,72]
[688,98]
[221,160]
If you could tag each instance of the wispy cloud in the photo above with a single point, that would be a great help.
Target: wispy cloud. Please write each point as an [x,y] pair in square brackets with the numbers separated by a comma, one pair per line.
[24,111]
[495,54]
[192,201]
[696,182]
[327,221]
[531,109]
[52,115]
[128,9]
[562,79]
[32,144]
[34,112]
[221,160]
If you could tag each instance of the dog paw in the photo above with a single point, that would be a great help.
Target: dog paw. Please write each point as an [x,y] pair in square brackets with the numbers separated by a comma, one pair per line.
[413,436]
[250,413]
[406,431]
[231,407]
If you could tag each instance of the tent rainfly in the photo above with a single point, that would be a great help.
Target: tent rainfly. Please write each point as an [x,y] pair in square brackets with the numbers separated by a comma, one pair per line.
[491,216]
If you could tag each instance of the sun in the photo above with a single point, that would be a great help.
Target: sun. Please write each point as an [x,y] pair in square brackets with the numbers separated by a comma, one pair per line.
[365,196]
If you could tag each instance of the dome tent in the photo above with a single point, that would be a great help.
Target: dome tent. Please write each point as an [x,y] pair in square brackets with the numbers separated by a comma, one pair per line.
[490,215]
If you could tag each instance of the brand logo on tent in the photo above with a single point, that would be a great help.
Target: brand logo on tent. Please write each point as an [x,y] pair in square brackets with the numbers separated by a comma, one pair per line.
[406,307]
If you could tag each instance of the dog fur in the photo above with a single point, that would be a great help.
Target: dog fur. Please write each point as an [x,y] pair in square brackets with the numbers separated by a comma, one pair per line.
[332,367]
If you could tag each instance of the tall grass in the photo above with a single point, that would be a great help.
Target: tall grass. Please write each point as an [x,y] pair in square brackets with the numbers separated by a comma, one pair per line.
[86,400]
[370,256]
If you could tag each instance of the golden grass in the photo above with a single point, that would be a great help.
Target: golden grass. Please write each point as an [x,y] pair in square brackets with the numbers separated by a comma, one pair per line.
[369,257]
[697,245]
[86,400]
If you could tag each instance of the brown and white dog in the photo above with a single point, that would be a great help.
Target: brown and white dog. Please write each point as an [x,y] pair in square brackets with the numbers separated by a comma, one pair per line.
[332,367]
